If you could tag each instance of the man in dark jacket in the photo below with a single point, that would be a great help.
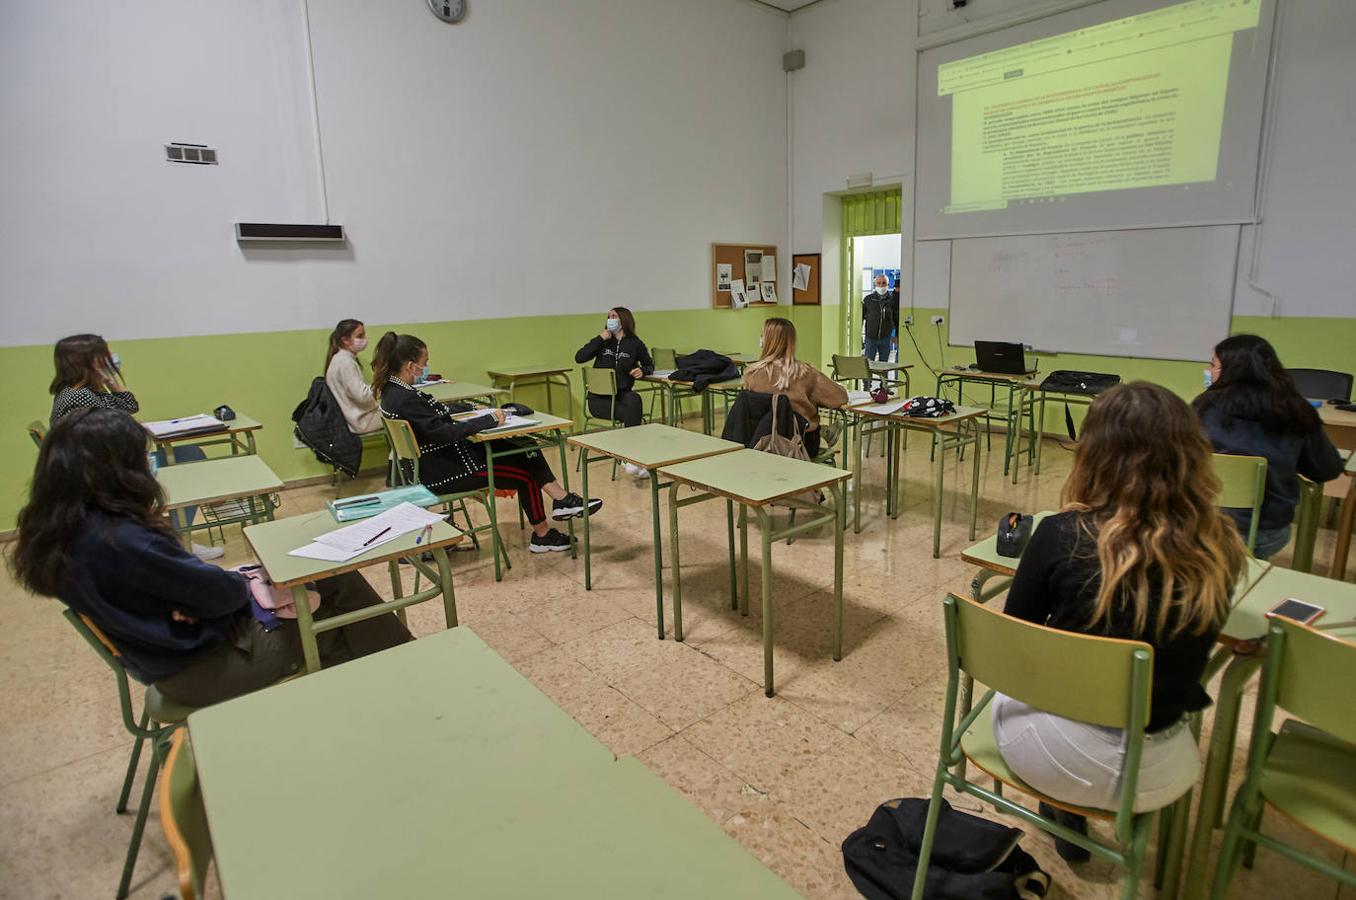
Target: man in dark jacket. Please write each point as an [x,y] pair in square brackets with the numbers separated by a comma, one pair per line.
[880,313]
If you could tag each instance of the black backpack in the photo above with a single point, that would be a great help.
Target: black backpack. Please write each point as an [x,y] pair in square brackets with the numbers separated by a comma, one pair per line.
[1068,381]
[972,858]
[322,427]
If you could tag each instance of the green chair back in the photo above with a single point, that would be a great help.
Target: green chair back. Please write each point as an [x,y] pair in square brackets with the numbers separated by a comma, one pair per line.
[38,432]
[1243,485]
[184,818]
[602,382]
[850,368]
[404,447]
[1036,665]
[1314,675]
[664,357]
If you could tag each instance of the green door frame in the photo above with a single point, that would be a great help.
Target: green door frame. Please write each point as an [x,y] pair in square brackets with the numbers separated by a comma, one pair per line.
[877,212]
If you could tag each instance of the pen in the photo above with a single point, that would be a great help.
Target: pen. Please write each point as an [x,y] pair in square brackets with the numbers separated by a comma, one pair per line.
[377,535]
[426,531]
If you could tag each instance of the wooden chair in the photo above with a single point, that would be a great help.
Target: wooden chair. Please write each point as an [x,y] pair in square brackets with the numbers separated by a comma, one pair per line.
[1049,670]
[1306,770]
[1243,485]
[184,818]
[405,451]
[159,718]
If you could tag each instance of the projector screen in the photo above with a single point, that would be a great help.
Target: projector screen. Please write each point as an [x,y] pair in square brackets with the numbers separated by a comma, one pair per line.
[1118,115]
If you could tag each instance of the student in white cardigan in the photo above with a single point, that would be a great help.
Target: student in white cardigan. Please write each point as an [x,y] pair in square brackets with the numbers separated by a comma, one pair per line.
[344,376]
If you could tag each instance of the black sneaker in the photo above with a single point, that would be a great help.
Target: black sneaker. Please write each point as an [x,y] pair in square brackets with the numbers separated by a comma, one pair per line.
[551,542]
[572,505]
[1069,852]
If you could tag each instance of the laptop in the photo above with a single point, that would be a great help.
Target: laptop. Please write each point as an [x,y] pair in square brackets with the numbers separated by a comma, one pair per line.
[1001,358]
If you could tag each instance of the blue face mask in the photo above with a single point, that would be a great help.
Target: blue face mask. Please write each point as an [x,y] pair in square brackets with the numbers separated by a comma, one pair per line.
[423,376]
[1209,379]
[614,325]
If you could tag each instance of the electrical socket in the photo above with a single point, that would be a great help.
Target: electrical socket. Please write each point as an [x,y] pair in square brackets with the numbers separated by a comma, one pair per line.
[908,321]
[937,320]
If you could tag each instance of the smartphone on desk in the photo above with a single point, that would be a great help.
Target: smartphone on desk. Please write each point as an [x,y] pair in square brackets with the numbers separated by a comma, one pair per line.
[1297,610]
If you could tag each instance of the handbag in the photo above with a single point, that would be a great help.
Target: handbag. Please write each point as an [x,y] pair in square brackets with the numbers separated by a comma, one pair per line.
[1014,530]
[792,447]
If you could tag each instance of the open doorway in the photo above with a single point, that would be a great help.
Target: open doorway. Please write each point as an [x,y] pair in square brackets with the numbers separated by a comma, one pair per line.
[876,264]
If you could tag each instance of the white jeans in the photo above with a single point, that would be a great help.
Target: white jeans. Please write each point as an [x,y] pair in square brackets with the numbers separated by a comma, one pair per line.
[1081,764]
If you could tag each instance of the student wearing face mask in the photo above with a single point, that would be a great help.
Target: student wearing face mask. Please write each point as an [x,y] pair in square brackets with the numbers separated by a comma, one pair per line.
[449,460]
[880,313]
[619,348]
[344,377]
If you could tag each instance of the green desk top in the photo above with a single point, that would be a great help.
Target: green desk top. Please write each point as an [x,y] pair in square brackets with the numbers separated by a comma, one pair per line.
[962,413]
[1248,619]
[435,769]
[460,390]
[545,422]
[272,541]
[753,477]
[654,445]
[985,553]
[235,426]
[1024,380]
[1351,463]
[527,371]
[215,480]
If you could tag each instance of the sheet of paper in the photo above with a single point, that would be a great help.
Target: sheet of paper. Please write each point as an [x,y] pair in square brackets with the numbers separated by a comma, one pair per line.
[510,422]
[737,298]
[724,272]
[883,409]
[753,267]
[370,533]
[768,268]
[769,292]
[855,397]
[322,551]
[199,422]
[800,279]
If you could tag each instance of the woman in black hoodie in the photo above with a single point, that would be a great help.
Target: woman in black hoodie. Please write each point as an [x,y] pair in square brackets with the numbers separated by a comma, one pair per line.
[620,349]
[1252,408]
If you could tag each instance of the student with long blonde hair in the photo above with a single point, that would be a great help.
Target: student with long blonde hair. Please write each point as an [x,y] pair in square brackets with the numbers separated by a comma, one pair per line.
[1140,551]
[777,371]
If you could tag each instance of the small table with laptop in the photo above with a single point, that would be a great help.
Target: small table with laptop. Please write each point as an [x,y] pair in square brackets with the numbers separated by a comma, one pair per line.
[1001,365]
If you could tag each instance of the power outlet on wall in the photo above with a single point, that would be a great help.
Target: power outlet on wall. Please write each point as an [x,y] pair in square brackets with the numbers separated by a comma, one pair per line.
[937,320]
[908,321]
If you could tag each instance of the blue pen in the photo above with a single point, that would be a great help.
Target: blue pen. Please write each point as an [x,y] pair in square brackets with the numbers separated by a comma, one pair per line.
[427,530]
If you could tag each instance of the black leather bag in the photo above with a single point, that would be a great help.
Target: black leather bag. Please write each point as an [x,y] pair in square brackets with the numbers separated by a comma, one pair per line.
[1069,381]
[1014,530]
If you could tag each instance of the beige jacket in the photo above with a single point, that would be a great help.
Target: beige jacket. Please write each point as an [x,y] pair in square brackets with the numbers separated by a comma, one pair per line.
[345,380]
[809,392]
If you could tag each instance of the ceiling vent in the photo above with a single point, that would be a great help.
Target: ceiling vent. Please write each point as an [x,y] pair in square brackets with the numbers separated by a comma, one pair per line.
[194,154]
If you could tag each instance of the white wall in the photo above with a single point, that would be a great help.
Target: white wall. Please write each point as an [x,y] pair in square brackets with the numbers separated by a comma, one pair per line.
[853,111]
[589,152]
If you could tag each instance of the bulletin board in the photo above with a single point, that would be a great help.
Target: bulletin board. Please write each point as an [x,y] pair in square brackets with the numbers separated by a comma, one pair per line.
[733,256]
[810,295]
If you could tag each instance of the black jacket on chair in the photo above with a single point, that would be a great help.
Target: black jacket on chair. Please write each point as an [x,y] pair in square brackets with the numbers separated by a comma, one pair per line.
[750,418]
[703,368]
[320,425]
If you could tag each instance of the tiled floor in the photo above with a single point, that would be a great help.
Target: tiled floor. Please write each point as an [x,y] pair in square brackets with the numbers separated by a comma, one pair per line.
[788,777]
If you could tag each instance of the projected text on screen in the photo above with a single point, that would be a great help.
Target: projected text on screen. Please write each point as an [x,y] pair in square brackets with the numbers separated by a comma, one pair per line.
[1137,102]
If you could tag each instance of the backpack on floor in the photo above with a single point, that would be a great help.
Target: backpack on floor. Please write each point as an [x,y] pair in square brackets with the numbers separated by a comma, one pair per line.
[972,858]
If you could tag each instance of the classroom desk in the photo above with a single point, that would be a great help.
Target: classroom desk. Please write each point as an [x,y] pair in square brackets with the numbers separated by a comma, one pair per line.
[675,389]
[953,432]
[755,480]
[550,431]
[434,768]
[239,434]
[272,541]
[246,480]
[1018,388]
[460,391]
[648,446]
[1247,621]
[1340,426]
[521,376]
[884,369]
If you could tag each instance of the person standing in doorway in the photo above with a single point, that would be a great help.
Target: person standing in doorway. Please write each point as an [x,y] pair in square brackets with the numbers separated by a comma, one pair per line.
[880,314]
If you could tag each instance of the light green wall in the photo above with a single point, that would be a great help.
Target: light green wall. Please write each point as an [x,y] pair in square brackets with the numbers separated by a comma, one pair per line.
[265,375]
[1300,342]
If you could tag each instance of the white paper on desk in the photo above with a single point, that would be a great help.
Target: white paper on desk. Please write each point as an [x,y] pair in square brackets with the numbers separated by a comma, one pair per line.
[855,397]
[380,529]
[800,278]
[767,269]
[662,373]
[883,409]
[322,551]
[511,421]
[168,427]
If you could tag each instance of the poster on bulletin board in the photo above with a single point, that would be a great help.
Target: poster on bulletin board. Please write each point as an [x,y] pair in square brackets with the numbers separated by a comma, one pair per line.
[743,266]
[805,279]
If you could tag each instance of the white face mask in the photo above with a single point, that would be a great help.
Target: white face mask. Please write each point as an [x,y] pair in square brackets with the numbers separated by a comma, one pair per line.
[359,345]
[880,290]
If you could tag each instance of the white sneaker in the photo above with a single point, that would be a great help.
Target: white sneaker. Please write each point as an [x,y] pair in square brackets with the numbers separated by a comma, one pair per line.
[202,552]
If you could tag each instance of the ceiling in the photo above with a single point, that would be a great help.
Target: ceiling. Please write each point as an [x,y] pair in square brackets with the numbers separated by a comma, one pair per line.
[788,5]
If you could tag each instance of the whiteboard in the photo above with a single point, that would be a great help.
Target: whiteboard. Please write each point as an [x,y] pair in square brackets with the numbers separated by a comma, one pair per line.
[1161,293]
